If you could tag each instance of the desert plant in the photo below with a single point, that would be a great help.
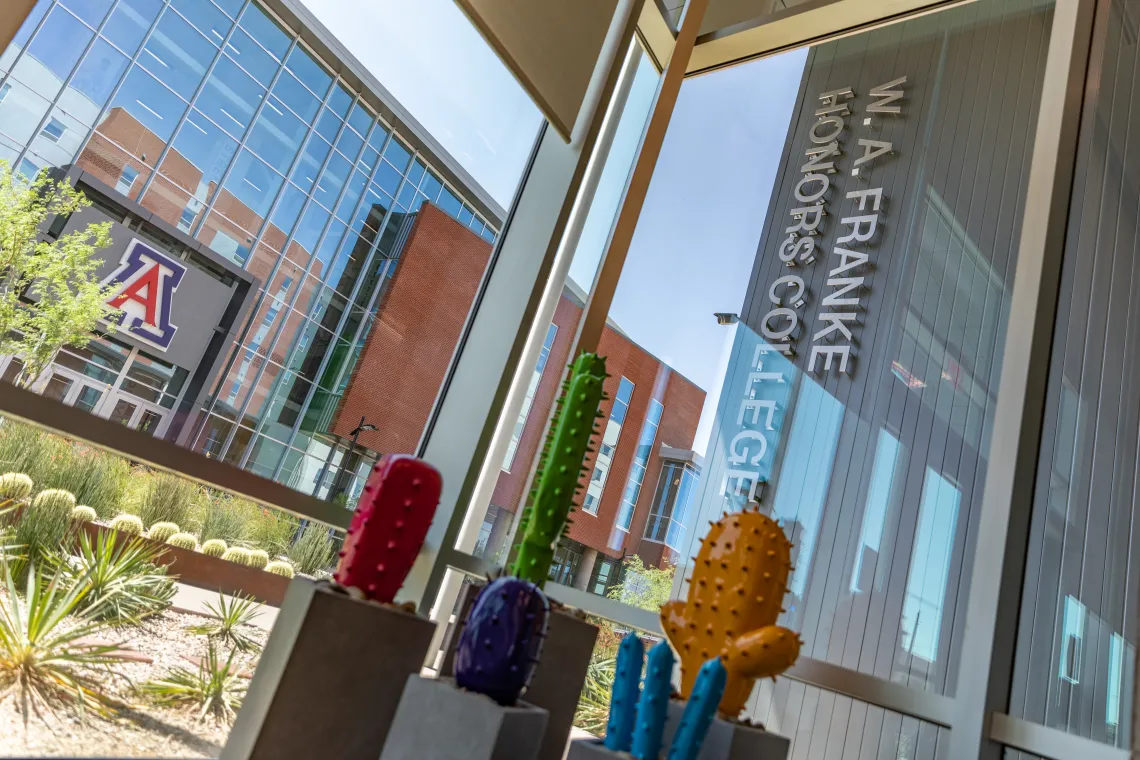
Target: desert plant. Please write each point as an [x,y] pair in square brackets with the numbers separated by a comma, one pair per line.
[43,661]
[84,513]
[258,559]
[124,581]
[314,549]
[219,515]
[167,499]
[40,530]
[284,569]
[594,703]
[54,498]
[231,616]
[15,486]
[128,524]
[214,688]
[237,554]
[215,547]
[162,531]
[184,541]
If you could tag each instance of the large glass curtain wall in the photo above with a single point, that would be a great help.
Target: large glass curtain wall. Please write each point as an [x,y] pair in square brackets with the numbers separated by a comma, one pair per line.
[219,120]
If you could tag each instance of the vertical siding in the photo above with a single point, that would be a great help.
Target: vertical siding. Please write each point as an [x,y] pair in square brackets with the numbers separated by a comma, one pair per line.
[1077,634]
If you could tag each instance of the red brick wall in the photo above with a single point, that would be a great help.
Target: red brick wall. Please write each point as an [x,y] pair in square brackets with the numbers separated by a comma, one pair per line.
[400,371]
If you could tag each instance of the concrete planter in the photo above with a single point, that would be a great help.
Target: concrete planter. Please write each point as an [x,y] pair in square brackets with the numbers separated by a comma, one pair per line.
[212,573]
[557,683]
[728,740]
[330,678]
[437,720]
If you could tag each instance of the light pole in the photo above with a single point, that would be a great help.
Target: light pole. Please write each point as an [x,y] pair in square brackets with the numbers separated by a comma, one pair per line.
[351,450]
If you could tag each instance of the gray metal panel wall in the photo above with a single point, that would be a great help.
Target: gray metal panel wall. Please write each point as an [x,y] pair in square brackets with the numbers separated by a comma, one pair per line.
[927,360]
[1078,626]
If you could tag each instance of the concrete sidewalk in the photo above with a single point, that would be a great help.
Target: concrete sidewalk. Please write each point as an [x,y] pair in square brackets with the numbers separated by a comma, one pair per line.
[193,600]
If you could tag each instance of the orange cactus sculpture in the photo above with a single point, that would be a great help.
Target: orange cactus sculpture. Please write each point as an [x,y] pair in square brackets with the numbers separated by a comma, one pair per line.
[735,595]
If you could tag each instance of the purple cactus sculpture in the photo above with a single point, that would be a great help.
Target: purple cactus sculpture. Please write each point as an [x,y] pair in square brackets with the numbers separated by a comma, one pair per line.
[501,643]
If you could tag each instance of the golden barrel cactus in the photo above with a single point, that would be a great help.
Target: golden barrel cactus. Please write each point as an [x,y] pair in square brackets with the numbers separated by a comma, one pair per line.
[737,587]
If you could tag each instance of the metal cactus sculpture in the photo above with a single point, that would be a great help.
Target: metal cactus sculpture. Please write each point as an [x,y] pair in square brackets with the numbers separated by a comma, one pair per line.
[502,640]
[623,702]
[389,526]
[644,742]
[547,515]
[738,583]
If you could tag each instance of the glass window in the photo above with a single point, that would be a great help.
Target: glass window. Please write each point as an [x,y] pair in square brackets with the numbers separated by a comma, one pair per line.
[293,94]
[301,63]
[277,136]
[204,15]
[253,183]
[398,154]
[177,55]
[637,471]
[378,137]
[4,90]
[416,173]
[93,82]
[230,97]
[388,178]
[91,11]
[312,225]
[431,186]
[350,144]
[606,448]
[312,159]
[669,510]
[127,179]
[21,112]
[340,101]
[265,30]
[360,119]
[129,23]
[528,401]
[193,167]
[252,57]
[57,45]
[332,180]
[288,210]
[53,130]
[24,33]
[449,203]
[351,197]
[328,125]
[146,101]
[368,159]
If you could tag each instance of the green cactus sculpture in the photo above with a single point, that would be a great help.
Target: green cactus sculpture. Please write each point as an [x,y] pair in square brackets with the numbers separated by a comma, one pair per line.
[284,569]
[547,513]
[54,498]
[215,547]
[161,531]
[128,524]
[184,541]
[15,486]
[258,559]
[237,554]
[739,579]
[84,514]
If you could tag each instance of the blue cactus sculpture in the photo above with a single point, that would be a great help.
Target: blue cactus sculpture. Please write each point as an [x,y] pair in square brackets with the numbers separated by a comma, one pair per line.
[501,643]
[654,704]
[623,701]
[699,711]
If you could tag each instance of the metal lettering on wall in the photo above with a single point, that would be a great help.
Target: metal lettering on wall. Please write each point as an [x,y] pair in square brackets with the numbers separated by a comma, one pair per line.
[833,340]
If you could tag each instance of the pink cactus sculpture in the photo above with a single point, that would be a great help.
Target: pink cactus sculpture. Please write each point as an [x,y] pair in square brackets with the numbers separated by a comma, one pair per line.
[389,526]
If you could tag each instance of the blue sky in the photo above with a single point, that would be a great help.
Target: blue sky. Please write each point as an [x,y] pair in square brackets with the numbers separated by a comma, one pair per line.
[694,247]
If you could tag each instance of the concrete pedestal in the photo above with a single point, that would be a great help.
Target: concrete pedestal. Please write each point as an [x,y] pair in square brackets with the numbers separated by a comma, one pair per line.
[436,720]
[593,749]
[730,741]
[557,683]
[330,678]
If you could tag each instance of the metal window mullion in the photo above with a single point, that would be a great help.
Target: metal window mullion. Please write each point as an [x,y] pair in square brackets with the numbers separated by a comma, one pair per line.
[308,268]
[993,606]
[168,146]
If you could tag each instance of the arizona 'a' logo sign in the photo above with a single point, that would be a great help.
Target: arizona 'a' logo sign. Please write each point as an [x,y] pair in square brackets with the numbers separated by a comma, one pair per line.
[144,289]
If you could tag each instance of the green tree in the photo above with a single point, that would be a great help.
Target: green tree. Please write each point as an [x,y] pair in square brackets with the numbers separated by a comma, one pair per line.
[642,586]
[49,295]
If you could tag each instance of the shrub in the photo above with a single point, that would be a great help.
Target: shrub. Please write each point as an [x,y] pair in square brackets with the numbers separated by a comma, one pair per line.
[314,550]
[220,516]
[215,547]
[162,531]
[269,529]
[231,616]
[84,514]
[258,559]
[184,541]
[128,524]
[15,486]
[215,687]
[41,529]
[123,581]
[284,569]
[237,554]
[43,662]
[167,498]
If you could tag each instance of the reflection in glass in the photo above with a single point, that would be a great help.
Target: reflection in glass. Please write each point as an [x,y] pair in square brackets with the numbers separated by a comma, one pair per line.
[641,456]
[607,447]
[177,54]
[528,401]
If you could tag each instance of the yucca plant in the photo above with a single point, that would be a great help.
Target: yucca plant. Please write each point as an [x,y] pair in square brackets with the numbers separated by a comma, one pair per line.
[124,582]
[314,549]
[231,615]
[214,688]
[594,704]
[44,663]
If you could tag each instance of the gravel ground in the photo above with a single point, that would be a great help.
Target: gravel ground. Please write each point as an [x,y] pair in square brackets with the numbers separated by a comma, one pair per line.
[141,730]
